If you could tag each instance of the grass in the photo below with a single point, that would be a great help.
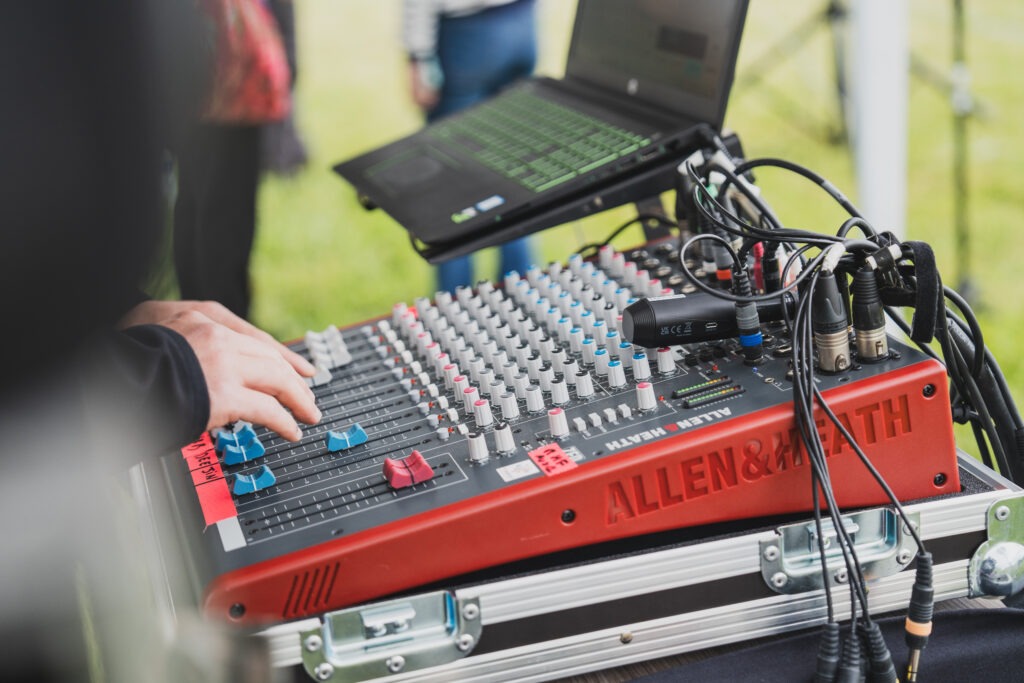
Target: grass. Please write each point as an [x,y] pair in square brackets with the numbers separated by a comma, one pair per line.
[320,258]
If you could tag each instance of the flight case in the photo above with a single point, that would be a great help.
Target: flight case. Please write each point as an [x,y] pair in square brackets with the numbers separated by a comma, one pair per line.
[660,595]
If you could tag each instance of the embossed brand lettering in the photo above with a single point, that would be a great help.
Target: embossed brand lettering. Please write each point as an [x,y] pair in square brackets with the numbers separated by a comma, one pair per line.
[675,480]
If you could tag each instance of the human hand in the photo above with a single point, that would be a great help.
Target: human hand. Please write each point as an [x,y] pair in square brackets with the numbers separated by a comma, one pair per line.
[158,312]
[424,93]
[249,376]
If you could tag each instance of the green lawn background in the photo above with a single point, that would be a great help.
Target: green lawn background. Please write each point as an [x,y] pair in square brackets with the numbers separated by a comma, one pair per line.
[320,258]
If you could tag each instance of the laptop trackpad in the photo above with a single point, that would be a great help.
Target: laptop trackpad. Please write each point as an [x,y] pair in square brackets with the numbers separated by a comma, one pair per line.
[404,174]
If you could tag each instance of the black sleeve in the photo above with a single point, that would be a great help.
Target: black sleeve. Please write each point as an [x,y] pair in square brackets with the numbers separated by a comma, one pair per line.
[151,372]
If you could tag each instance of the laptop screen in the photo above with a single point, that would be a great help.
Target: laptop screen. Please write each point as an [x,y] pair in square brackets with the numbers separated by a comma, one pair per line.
[674,54]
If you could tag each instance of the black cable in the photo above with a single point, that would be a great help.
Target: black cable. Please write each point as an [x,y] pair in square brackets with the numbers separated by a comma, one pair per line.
[821,181]
[975,399]
[979,439]
[872,470]
[968,316]
[783,235]
[780,233]
[639,218]
[999,379]
[856,222]
[898,320]
[978,390]
[732,297]
[803,371]
[816,502]
[732,178]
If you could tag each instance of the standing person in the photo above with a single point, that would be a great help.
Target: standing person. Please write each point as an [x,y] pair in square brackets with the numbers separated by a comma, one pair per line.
[94,380]
[282,150]
[219,159]
[460,53]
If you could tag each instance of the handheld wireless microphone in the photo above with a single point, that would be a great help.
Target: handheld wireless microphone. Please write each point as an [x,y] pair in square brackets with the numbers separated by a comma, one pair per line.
[688,319]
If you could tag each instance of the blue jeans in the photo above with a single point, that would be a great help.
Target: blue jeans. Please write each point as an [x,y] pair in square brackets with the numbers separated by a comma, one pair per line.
[479,55]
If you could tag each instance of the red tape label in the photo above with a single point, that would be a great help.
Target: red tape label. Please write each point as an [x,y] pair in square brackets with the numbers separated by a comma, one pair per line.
[551,459]
[208,478]
[215,500]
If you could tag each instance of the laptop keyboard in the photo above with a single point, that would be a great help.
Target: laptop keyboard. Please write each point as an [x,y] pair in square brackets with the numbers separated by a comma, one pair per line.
[536,142]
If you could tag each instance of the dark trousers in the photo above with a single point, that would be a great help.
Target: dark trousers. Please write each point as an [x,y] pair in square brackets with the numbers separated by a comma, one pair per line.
[215,215]
[480,54]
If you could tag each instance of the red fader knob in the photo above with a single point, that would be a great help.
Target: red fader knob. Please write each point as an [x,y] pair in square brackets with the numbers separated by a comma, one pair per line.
[404,472]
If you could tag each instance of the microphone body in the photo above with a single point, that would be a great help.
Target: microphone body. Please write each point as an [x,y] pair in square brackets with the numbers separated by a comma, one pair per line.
[678,319]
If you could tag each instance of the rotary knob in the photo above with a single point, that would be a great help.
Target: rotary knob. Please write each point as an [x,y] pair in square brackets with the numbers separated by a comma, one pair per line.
[666,361]
[641,367]
[559,392]
[509,406]
[616,375]
[584,385]
[482,413]
[558,424]
[534,399]
[645,398]
[478,447]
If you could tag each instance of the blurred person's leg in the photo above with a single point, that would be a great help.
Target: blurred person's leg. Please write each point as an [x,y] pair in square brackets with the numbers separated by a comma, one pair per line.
[479,55]
[517,255]
[455,273]
[283,150]
[215,216]
[484,52]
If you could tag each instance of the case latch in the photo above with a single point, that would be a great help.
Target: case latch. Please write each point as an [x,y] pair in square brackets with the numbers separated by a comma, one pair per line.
[391,637]
[791,563]
[997,566]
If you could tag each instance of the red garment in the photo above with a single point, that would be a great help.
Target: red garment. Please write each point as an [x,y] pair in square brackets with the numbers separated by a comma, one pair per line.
[251,78]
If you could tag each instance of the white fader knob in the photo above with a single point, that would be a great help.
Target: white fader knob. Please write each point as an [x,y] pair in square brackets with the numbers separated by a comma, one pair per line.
[504,441]
[478,447]
[557,423]
[645,398]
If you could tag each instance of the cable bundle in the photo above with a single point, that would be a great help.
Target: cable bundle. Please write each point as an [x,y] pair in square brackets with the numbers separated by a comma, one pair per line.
[836,292]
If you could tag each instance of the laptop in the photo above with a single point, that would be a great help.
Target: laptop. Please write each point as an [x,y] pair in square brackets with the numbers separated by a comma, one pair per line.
[643,80]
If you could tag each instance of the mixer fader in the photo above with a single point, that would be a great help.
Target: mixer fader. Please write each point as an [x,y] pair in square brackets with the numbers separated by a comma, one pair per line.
[512,420]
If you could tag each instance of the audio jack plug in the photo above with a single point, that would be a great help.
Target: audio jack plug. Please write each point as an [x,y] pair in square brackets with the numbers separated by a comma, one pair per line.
[919,614]
[720,252]
[748,322]
[849,667]
[880,666]
[770,268]
[828,654]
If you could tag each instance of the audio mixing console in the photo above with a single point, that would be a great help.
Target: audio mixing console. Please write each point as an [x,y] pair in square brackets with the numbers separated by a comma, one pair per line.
[511,421]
